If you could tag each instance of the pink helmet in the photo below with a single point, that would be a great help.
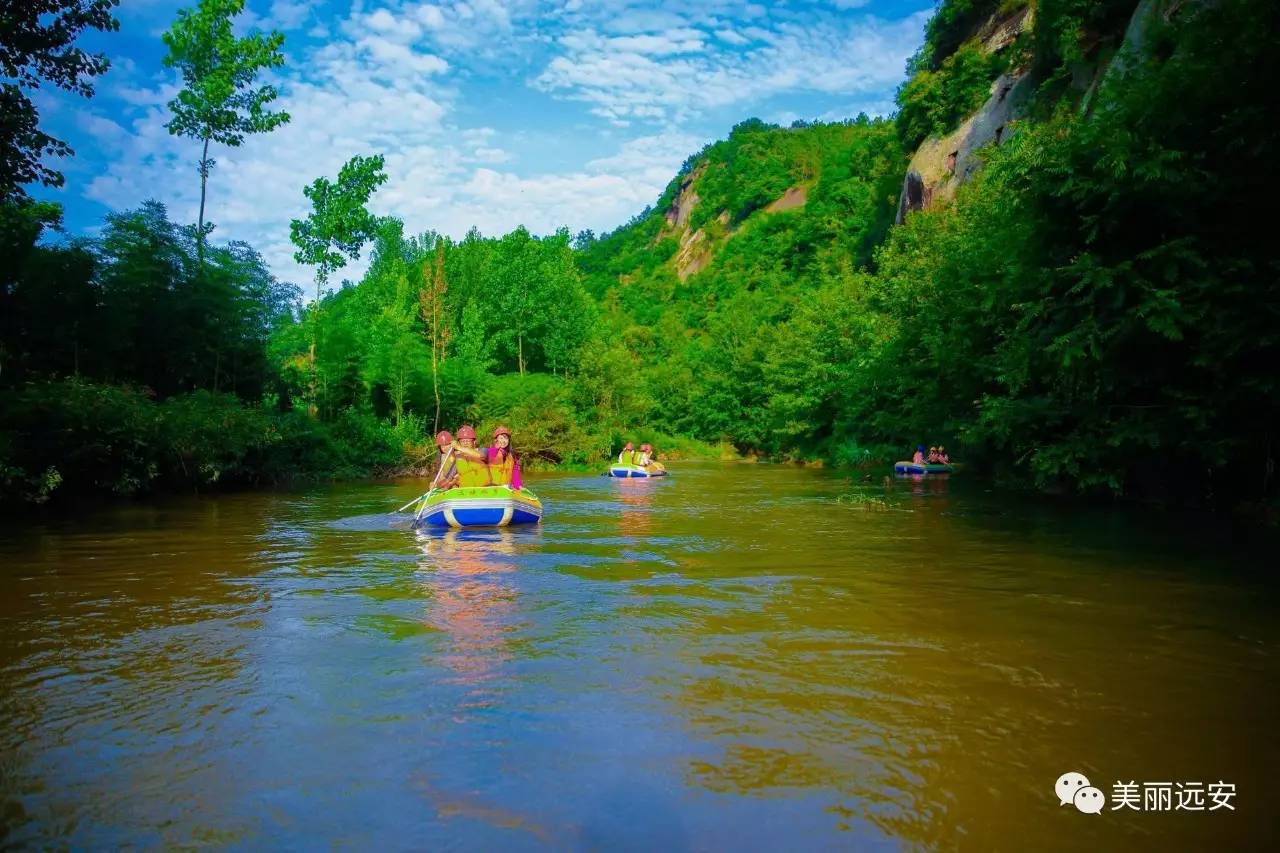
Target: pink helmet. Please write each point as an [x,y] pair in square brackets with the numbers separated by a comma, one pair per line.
[467,431]
[444,437]
[646,447]
[502,431]
[629,446]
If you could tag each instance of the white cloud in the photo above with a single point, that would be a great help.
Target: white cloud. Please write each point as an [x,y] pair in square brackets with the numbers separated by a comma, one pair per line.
[398,77]
[106,133]
[490,155]
[626,79]
[360,97]
[281,15]
[661,44]
[290,14]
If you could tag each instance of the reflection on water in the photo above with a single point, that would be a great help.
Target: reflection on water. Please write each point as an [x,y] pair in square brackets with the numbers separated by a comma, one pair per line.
[635,505]
[469,601]
[727,658]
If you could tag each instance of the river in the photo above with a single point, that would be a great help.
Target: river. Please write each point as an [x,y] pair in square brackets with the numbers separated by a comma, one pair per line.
[729,658]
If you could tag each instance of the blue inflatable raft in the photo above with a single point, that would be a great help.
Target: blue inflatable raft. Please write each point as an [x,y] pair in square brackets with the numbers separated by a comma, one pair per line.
[481,506]
[635,471]
[927,468]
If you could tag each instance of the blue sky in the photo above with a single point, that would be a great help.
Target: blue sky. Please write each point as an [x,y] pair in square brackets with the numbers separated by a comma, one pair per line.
[491,113]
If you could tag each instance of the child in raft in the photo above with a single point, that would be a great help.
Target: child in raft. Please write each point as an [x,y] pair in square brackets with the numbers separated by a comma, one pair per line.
[628,455]
[500,463]
[918,458]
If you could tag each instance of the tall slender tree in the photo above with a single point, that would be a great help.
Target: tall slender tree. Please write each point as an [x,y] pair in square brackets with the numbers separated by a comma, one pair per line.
[220,101]
[338,226]
[432,302]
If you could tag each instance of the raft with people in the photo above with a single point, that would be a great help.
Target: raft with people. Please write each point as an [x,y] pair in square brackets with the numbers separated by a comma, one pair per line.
[625,471]
[477,487]
[927,468]
[936,461]
[481,506]
[637,463]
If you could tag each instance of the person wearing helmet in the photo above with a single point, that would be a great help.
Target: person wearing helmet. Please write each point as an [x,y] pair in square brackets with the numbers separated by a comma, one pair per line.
[649,459]
[628,455]
[472,468]
[446,476]
[918,459]
[502,466]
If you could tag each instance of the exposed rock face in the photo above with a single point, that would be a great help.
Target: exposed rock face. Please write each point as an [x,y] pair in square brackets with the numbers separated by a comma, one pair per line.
[998,33]
[1137,37]
[793,197]
[696,249]
[686,199]
[912,197]
[940,166]
[693,255]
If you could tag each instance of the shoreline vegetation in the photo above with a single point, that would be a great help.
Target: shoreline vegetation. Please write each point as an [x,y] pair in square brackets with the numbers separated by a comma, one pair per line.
[1082,305]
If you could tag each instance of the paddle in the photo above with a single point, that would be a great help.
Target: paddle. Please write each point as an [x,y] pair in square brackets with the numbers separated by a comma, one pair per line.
[443,464]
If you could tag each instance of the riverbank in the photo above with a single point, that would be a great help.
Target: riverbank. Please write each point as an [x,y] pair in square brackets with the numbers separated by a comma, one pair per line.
[65,441]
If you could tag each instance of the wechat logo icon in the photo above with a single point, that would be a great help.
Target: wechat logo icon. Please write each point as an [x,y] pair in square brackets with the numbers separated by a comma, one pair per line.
[1074,789]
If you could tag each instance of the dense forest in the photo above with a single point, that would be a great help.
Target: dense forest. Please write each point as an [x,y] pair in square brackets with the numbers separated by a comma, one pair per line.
[1083,299]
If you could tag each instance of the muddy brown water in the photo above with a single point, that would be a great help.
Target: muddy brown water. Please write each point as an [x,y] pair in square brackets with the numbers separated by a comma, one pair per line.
[725,659]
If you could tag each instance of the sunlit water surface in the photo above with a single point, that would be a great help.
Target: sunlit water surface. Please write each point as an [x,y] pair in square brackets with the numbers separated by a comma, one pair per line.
[725,659]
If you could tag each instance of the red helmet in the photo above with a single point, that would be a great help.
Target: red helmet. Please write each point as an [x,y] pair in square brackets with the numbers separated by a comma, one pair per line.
[467,431]
[444,437]
[502,431]
[629,446]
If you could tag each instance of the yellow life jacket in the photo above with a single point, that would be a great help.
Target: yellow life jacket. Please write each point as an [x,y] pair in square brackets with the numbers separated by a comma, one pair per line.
[472,473]
[500,472]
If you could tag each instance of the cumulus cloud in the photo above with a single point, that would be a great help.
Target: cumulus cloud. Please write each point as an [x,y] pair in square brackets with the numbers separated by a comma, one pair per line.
[415,81]
[626,78]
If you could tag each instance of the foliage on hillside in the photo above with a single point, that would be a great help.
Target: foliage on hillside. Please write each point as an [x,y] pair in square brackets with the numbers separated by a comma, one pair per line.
[1096,309]
[701,346]
[1069,319]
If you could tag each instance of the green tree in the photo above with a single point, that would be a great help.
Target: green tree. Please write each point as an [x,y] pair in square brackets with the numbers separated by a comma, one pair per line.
[219,101]
[336,229]
[513,294]
[339,223]
[565,308]
[431,301]
[397,351]
[48,296]
[36,44]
